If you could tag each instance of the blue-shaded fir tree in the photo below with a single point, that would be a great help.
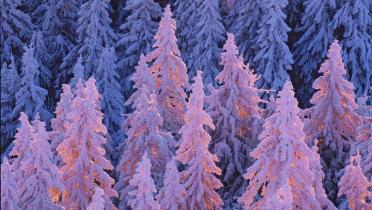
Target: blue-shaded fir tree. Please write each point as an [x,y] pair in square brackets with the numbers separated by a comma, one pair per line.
[95,33]
[16,30]
[136,37]
[272,59]
[111,101]
[309,51]
[30,96]
[9,87]
[206,41]
[354,17]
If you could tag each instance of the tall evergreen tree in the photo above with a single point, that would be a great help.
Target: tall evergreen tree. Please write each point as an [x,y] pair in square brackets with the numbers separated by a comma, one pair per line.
[141,197]
[40,184]
[354,17]
[30,96]
[355,185]
[61,122]
[198,177]
[82,152]
[273,59]
[316,34]
[112,100]
[43,58]
[94,33]
[245,19]
[16,27]
[9,190]
[136,36]
[170,74]
[185,14]
[332,119]
[144,135]
[208,36]
[78,72]
[235,112]
[364,145]
[172,194]
[22,142]
[282,163]
[9,87]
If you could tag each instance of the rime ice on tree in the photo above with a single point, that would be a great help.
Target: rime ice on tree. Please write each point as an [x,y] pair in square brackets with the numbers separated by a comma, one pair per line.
[142,195]
[136,36]
[281,174]
[9,189]
[206,39]
[332,119]
[30,96]
[316,34]
[172,194]
[355,185]
[235,112]
[40,183]
[144,134]
[112,100]
[82,152]
[354,18]
[198,177]
[9,86]
[169,73]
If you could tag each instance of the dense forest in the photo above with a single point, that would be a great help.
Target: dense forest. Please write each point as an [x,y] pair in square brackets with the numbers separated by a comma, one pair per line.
[186,104]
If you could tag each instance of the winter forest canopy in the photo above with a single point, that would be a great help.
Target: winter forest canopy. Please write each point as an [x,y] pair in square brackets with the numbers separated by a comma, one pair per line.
[186,104]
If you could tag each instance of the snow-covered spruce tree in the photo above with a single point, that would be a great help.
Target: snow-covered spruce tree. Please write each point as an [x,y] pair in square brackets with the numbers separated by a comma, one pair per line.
[272,59]
[16,28]
[170,74]
[40,184]
[141,77]
[60,123]
[281,174]
[82,152]
[354,17]
[9,190]
[78,72]
[21,143]
[235,112]
[43,58]
[198,177]
[9,86]
[364,145]
[112,100]
[316,34]
[59,26]
[245,18]
[172,194]
[185,14]
[97,203]
[136,36]
[142,195]
[30,96]
[332,120]
[354,185]
[94,33]
[144,135]
[316,168]
[206,40]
